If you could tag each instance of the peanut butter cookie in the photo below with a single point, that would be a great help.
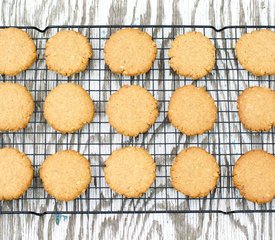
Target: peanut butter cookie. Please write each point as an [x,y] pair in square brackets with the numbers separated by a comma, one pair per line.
[130,52]
[255,52]
[256,107]
[16,173]
[18,51]
[254,176]
[192,55]
[130,171]
[132,110]
[16,106]
[68,107]
[65,175]
[192,110]
[194,172]
[68,52]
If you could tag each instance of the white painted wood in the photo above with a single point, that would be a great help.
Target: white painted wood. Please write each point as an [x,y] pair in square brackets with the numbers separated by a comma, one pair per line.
[128,226]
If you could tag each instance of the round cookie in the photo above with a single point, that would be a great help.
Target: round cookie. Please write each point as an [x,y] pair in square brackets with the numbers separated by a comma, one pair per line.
[256,107]
[192,55]
[68,52]
[192,110]
[132,110]
[18,51]
[254,176]
[130,52]
[65,175]
[130,171]
[16,173]
[68,107]
[194,172]
[16,106]
[255,52]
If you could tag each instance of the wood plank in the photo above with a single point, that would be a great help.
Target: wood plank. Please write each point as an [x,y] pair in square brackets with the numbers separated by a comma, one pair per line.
[127,226]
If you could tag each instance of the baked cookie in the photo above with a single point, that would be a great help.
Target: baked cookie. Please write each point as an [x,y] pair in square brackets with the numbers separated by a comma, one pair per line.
[255,52]
[130,171]
[130,52]
[16,173]
[254,176]
[65,175]
[192,55]
[192,110]
[256,107]
[68,107]
[194,172]
[132,110]
[68,52]
[18,51]
[16,106]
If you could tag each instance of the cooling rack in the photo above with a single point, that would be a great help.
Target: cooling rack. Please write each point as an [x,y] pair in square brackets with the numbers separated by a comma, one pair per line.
[226,141]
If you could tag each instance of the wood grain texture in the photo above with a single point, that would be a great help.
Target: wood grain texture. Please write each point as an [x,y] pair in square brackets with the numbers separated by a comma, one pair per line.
[145,226]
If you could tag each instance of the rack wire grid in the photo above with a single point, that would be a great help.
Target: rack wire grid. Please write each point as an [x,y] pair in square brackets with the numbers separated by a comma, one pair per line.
[96,141]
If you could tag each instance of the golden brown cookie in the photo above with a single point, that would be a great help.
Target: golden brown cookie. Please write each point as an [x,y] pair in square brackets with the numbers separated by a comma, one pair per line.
[130,52]
[256,107]
[68,107]
[192,110]
[192,55]
[130,171]
[16,106]
[68,52]
[18,51]
[256,52]
[65,175]
[194,172]
[132,110]
[16,173]
[254,176]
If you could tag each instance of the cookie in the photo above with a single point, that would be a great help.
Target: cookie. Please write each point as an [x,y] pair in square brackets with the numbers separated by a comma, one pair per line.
[192,55]
[16,173]
[194,172]
[65,175]
[130,171]
[68,107]
[132,110]
[192,110]
[18,51]
[130,52]
[255,52]
[256,108]
[16,106]
[68,52]
[254,176]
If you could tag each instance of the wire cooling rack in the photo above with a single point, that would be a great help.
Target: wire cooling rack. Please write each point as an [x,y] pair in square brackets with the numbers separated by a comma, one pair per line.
[226,141]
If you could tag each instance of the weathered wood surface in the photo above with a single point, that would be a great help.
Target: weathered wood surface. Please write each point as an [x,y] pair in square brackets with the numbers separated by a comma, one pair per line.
[129,226]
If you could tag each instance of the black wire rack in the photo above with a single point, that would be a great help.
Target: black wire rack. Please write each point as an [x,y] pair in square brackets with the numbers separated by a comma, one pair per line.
[96,141]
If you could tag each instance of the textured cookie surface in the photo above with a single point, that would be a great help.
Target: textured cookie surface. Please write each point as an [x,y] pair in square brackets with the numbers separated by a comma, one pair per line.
[18,51]
[254,176]
[192,55]
[130,171]
[256,107]
[132,110]
[16,106]
[192,110]
[130,52]
[68,107]
[256,52]
[194,172]
[68,52]
[16,173]
[65,175]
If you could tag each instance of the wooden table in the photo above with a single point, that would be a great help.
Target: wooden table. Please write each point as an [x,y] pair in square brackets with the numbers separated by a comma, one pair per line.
[134,226]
